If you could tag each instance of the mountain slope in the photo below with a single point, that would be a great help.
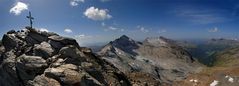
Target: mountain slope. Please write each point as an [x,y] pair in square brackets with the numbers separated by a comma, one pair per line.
[224,68]
[159,57]
[227,58]
[205,51]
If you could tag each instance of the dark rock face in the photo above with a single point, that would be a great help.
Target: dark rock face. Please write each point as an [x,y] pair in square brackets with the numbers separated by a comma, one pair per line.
[33,58]
[9,42]
[126,44]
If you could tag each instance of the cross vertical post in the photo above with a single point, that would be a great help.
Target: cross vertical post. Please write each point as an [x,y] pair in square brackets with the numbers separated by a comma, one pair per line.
[30,18]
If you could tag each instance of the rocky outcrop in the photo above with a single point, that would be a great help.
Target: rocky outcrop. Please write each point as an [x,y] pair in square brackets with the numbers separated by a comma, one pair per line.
[161,59]
[34,58]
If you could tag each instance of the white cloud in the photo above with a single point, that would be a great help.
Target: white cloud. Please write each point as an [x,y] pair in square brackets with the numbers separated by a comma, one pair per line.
[113,28]
[76,2]
[143,29]
[18,8]
[104,0]
[162,31]
[68,30]
[97,14]
[44,30]
[213,30]
[203,16]
[81,36]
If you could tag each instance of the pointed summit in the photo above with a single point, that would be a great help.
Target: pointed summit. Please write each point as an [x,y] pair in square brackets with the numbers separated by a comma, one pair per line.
[124,37]
[125,41]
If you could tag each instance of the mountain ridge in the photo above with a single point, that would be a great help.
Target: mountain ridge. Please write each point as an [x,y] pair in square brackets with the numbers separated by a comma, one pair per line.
[148,58]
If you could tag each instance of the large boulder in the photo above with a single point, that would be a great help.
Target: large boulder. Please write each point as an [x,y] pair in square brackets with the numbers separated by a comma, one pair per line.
[35,37]
[44,81]
[9,41]
[44,49]
[73,54]
[63,40]
[66,74]
[31,62]
[70,74]
[29,66]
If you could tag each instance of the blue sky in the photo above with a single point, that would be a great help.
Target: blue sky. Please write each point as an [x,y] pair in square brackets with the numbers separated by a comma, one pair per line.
[97,21]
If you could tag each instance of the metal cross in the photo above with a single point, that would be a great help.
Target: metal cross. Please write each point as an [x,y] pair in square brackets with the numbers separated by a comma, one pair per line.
[30,18]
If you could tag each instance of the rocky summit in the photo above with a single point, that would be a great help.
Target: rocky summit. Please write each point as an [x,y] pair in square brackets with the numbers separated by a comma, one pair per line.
[31,57]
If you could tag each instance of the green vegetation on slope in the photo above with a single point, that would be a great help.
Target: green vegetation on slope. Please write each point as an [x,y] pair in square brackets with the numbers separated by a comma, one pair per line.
[228,57]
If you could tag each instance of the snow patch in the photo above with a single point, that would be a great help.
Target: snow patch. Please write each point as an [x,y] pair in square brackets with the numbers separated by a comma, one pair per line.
[226,76]
[43,30]
[230,79]
[193,80]
[117,51]
[214,83]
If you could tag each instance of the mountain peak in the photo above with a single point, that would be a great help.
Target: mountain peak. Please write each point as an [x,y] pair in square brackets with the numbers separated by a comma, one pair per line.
[124,43]
[124,37]
[124,40]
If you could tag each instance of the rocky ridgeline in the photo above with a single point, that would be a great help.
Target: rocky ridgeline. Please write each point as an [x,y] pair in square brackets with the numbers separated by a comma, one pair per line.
[34,58]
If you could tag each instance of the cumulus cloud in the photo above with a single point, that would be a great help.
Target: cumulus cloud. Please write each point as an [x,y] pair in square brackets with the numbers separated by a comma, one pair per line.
[213,30]
[97,14]
[18,8]
[113,28]
[76,2]
[143,29]
[44,30]
[68,30]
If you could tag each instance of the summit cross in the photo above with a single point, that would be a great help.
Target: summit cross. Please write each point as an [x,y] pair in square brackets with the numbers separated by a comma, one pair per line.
[30,18]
